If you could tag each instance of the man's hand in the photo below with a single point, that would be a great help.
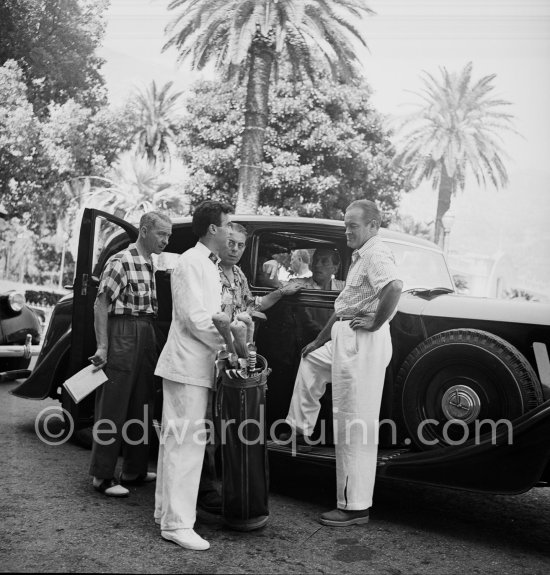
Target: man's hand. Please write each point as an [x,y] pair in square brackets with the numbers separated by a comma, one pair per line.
[291,288]
[364,322]
[271,267]
[311,347]
[99,359]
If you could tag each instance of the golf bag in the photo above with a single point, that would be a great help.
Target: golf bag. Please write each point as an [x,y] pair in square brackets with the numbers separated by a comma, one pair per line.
[240,423]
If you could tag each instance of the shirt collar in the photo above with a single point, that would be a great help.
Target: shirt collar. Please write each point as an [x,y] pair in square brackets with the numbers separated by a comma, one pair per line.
[364,248]
[237,274]
[206,251]
[132,248]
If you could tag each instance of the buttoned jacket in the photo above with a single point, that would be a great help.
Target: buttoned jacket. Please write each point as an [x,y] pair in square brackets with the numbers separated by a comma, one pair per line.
[193,340]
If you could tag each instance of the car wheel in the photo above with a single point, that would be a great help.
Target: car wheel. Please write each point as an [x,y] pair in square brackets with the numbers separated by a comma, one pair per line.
[456,379]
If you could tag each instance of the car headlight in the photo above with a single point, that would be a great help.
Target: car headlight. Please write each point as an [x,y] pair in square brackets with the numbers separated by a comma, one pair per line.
[16,301]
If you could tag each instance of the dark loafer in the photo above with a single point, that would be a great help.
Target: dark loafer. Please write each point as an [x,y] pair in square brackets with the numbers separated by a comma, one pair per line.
[110,487]
[211,502]
[139,480]
[341,518]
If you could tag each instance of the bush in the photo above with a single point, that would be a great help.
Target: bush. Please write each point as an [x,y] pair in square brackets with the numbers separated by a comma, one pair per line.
[42,297]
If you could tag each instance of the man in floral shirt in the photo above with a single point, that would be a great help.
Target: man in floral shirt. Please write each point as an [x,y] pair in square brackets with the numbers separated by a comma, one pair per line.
[236,295]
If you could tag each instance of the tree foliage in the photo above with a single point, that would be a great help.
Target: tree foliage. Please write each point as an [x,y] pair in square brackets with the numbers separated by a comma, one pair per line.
[39,153]
[306,33]
[455,129]
[19,140]
[325,146]
[251,37]
[55,42]
[158,111]
[133,186]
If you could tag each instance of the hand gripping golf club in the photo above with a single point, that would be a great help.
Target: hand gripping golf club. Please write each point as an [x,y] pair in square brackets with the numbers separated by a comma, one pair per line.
[222,323]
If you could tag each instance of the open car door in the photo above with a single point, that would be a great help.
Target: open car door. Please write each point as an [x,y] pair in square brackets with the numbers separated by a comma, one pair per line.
[101,236]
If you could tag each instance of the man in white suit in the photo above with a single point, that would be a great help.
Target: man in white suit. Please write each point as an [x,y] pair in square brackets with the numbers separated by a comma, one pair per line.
[186,365]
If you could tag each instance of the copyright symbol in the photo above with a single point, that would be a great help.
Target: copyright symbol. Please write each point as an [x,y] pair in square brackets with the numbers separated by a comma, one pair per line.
[47,428]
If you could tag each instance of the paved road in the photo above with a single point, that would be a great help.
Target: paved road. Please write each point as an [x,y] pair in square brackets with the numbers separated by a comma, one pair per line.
[52,520]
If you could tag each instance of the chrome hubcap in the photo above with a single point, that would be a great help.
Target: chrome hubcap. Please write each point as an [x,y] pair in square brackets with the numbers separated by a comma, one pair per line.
[461,402]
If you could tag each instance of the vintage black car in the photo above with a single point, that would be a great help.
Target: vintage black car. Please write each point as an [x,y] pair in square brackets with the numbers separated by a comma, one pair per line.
[20,331]
[467,394]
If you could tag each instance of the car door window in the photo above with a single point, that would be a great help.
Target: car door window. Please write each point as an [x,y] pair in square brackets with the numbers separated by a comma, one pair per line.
[109,238]
[313,261]
[420,267]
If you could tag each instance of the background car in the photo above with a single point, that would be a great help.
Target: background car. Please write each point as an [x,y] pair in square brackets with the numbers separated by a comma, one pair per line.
[20,330]
[457,363]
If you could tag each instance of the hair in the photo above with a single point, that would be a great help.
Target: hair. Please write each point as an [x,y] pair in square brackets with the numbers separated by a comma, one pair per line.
[334,254]
[207,213]
[370,210]
[235,227]
[151,219]
[304,255]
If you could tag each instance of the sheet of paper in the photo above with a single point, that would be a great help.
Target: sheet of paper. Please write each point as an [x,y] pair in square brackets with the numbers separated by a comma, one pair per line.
[81,384]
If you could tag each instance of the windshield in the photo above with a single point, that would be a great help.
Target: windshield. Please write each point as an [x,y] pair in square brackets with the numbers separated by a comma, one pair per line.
[421,268]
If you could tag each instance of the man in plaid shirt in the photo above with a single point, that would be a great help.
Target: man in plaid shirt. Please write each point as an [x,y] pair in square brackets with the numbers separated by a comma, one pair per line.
[124,310]
[353,351]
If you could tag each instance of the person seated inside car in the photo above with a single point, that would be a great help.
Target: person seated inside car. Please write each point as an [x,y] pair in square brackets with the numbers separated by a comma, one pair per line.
[299,264]
[325,266]
[266,272]
[284,266]
[297,324]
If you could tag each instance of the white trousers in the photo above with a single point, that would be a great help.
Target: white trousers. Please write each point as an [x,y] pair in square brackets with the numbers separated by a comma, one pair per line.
[181,454]
[355,361]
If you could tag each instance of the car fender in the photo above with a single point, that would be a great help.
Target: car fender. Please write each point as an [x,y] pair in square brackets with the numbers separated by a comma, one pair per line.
[48,374]
[509,460]
[487,309]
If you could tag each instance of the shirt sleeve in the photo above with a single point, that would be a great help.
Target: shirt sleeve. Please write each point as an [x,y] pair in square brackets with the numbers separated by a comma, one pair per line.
[113,279]
[249,303]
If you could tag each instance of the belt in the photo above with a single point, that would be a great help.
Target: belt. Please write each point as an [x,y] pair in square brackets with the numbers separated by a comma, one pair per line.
[345,318]
[141,317]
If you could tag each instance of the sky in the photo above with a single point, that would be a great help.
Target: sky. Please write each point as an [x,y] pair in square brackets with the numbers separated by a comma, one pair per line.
[509,38]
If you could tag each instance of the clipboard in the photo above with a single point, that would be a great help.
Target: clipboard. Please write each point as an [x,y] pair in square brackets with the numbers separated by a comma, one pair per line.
[81,384]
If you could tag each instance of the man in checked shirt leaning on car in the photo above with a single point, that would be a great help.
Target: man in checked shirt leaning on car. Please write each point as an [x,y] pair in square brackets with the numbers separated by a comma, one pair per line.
[124,310]
[352,351]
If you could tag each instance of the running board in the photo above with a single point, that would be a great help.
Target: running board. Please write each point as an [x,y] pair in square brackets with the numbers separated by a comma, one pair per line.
[499,462]
[325,455]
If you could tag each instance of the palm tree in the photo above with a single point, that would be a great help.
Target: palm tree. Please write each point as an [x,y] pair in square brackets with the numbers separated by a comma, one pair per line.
[254,35]
[132,187]
[158,113]
[456,128]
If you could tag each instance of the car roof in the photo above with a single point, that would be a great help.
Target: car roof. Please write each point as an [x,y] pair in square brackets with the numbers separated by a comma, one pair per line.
[391,235]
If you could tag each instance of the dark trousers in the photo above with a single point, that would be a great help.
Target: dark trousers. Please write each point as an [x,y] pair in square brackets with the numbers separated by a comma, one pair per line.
[208,475]
[127,395]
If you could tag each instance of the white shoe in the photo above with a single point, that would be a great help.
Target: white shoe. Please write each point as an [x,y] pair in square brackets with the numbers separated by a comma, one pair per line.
[147,477]
[109,487]
[186,538]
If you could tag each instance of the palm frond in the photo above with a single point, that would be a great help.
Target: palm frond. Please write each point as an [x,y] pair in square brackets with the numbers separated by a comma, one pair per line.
[459,126]
[221,31]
